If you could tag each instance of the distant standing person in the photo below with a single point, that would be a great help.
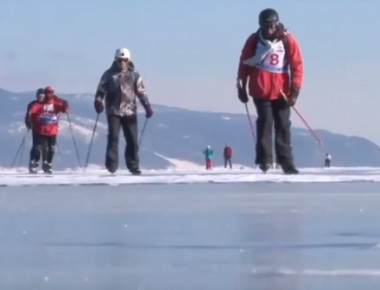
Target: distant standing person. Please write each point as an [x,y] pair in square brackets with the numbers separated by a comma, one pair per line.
[208,152]
[227,155]
[328,159]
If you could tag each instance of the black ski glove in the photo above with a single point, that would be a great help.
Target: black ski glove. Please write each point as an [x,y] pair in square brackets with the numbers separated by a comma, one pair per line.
[148,111]
[28,123]
[292,99]
[242,92]
[98,105]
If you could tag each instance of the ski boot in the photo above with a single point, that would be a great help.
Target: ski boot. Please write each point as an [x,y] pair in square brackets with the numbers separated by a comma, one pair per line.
[265,167]
[135,171]
[33,167]
[289,169]
[47,167]
[111,169]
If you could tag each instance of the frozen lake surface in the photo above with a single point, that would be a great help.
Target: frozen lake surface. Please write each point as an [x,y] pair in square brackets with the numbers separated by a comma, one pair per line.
[200,235]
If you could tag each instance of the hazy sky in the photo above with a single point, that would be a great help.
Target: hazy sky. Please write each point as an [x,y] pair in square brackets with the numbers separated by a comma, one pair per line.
[188,51]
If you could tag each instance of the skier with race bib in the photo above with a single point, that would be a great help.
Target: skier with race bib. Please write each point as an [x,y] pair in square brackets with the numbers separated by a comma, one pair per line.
[43,119]
[270,65]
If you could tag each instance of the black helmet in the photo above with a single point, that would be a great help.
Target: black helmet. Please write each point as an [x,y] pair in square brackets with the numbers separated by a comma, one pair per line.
[268,16]
[39,93]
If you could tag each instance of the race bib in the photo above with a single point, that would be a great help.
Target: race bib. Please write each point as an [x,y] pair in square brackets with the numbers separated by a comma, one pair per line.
[275,60]
[48,118]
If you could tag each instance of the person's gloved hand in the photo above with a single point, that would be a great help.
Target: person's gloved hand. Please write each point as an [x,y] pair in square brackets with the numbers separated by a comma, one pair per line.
[291,101]
[65,106]
[28,124]
[148,111]
[242,92]
[292,98]
[99,107]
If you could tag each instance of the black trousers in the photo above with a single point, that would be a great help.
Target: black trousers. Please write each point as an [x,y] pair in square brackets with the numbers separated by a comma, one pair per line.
[34,154]
[227,160]
[270,113]
[44,144]
[129,126]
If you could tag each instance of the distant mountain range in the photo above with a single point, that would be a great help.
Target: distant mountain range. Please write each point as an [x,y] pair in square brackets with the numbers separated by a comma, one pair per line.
[172,133]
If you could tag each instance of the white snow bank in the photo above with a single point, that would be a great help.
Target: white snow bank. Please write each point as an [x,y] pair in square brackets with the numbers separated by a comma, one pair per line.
[96,176]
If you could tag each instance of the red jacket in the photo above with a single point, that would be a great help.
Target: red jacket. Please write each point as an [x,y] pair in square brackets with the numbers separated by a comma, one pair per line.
[44,115]
[227,152]
[270,74]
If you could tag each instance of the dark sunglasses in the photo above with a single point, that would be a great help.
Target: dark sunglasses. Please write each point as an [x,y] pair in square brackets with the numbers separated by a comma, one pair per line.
[120,60]
[270,25]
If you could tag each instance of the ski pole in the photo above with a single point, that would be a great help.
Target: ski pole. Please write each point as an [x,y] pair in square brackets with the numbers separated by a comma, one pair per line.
[19,148]
[304,121]
[142,131]
[75,143]
[308,126]
[250,123]
[91,141]
[58,149]
[21,155]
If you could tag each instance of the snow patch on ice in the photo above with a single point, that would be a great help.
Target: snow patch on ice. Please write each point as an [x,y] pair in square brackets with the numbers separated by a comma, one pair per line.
[178,163]
[16,128]
[315,272]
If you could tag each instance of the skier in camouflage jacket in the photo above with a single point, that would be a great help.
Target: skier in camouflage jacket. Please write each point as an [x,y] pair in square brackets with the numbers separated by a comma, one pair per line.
[119,86]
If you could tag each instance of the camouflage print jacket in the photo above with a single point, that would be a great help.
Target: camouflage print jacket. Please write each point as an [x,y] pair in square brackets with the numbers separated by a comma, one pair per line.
[119,89]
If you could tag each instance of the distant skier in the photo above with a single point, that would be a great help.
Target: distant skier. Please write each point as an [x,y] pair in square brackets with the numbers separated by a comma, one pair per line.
[328,159]
[227,155]
[34,156]
[43,119]
[208,152]
[119,86]
[271,62]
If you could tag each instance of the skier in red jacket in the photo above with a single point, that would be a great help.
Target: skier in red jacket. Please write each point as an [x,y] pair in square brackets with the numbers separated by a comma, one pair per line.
[43,119]
[271,63]
[227,155]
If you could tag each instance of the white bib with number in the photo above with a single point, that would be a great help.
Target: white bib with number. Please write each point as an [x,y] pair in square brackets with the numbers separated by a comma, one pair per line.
[269,56]
[274,60]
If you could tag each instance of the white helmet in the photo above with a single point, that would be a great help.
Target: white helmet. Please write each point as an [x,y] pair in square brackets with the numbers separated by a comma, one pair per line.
[123,53]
